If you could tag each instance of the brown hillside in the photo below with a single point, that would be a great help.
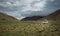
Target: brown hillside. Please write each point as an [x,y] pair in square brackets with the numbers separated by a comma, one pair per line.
[55,15]
[3,16]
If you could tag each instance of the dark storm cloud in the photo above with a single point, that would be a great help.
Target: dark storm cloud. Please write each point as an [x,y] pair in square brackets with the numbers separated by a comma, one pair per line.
[52,6]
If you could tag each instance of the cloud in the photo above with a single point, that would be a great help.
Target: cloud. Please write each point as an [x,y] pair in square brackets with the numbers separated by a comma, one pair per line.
[24,8]
[27,7]
[36,6]
[52,0]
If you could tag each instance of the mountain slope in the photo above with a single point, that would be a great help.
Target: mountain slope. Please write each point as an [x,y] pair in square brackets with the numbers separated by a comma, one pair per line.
[3,16]
[54,16]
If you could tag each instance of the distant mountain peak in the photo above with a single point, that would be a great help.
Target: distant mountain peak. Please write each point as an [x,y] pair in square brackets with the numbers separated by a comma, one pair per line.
[32,18]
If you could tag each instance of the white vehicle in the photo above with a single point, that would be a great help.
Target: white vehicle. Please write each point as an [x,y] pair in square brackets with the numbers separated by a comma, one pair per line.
[45,21]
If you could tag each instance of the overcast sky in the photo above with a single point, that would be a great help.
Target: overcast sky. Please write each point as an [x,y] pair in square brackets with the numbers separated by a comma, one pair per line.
[24,8]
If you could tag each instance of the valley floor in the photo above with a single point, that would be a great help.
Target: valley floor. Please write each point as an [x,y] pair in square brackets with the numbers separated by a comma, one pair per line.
[29,28]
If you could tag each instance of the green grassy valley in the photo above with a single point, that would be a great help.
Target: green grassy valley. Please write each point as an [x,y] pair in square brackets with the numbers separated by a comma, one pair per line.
[13,27]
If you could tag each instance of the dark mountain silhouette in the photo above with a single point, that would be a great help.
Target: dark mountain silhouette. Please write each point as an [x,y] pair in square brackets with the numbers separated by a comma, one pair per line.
[54,16]
[4,16]
[32,18]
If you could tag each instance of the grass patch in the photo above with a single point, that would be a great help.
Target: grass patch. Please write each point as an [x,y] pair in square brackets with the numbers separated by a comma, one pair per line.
[31,28]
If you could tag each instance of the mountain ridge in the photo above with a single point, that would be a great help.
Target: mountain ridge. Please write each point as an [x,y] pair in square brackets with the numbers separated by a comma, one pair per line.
[32,18]
[7,17]
[54,16]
